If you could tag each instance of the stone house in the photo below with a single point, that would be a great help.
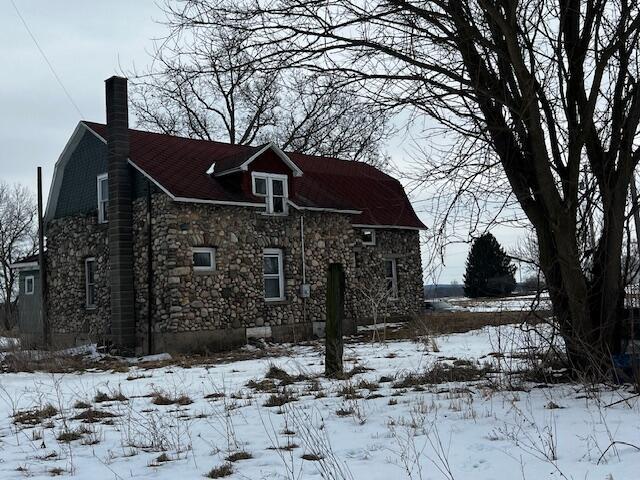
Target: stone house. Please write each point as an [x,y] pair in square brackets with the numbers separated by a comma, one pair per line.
[163,243]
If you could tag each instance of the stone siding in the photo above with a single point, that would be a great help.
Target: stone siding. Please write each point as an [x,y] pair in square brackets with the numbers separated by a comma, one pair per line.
[404,247]
[213,309]
[232,296]
[70,241]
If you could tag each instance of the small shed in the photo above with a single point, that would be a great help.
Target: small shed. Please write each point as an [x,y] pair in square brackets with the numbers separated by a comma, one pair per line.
[29,299]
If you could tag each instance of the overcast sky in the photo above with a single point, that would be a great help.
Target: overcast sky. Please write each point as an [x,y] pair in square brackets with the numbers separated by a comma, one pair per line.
[87,42]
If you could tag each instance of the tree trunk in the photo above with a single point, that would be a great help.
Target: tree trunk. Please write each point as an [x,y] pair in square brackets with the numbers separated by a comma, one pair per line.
[588,309]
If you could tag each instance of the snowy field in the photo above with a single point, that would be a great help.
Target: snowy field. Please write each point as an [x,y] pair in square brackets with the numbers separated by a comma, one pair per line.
[389,420]
[506,304]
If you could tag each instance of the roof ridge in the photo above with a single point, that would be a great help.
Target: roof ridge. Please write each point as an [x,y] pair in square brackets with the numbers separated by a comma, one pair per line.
[89,122]
[309,156]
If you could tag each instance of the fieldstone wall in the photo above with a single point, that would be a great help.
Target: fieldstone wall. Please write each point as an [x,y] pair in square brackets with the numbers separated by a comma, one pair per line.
[213,309]
[404,247]
[70,241]
[232,296]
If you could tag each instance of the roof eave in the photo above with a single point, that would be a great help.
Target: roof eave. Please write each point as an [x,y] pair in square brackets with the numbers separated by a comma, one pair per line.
[25,266]
[396,227]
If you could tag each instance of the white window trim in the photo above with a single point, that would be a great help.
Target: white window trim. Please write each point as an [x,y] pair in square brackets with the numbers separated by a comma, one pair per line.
[86,283]
[279,275]
[373,236]
[102,203]
[211,251]
[269,177]
[394,278]
[33,284]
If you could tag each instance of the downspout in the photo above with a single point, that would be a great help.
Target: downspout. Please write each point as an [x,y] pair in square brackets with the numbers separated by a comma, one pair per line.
[150,298]
[304,273]
[304,270]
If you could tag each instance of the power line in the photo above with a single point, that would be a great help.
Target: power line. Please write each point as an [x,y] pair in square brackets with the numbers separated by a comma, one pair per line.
[24,22]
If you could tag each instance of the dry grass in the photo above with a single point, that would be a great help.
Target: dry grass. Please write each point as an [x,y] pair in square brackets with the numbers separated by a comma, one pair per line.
[163,458]
[237,456]
[220,471]
[214,396]
[69,436]
[102,397]
[442,323]
[442,373]
[277,373]
[91,415]
[266,385]
[288,447]
[344,412]
[312,457]
[279,399]
[367,385]
[35,416]
[349,392]
[160,398]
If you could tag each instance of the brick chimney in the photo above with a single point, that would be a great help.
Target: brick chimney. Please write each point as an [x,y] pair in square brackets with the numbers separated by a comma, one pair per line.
[120,216]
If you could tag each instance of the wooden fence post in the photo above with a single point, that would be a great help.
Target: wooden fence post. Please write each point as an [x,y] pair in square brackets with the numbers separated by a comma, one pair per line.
[335,317]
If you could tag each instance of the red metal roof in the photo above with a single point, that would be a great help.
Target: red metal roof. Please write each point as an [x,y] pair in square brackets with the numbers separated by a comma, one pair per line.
[180,166]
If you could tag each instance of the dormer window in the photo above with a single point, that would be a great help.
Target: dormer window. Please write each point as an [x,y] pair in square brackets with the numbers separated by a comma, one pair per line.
[273,187]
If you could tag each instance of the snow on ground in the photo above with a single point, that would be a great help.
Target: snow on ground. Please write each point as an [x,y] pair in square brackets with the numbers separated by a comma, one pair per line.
[506,304]
[464,430]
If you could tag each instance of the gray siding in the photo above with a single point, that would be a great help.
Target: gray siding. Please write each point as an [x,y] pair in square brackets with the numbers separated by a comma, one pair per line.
[78,192]
[29,321]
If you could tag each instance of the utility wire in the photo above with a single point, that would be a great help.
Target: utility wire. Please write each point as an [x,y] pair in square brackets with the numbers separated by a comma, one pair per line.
[24,22]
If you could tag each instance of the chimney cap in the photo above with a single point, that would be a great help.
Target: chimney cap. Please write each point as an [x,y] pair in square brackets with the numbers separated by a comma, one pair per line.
[116,78]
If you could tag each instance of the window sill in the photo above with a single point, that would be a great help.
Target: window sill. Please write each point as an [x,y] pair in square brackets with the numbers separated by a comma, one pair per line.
[276,301]
[95,307]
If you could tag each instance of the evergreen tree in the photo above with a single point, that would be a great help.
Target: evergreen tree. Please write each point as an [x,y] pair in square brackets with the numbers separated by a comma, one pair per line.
[489,270]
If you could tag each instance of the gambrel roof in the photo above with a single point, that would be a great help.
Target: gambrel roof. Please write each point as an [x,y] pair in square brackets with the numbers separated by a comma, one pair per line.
[200,171]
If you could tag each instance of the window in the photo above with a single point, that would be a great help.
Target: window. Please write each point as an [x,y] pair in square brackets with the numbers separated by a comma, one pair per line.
[91,290]
[29,285]
[273,274]
[391,277]
[103,198]
[368,237]
[274,188]
[260,186]
[204,259]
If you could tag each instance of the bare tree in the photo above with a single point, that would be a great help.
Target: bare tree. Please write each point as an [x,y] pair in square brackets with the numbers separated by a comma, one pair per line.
[18,238]
[204,84]
[541,101]
[375,295]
